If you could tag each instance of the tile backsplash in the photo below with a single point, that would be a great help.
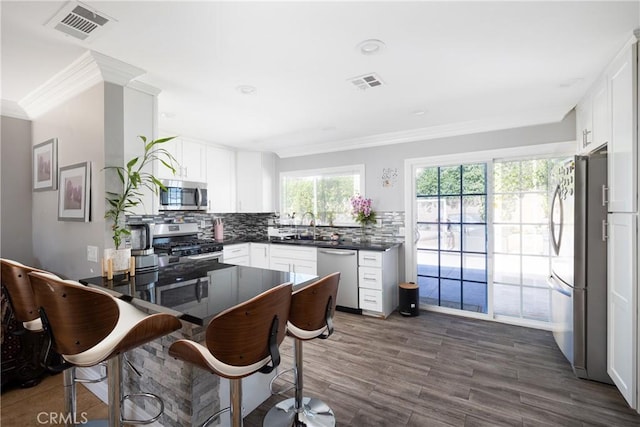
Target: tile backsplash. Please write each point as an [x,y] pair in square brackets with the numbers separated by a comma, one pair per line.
[253,226]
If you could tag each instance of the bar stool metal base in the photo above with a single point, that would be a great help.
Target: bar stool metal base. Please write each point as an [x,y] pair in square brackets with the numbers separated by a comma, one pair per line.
[314,413]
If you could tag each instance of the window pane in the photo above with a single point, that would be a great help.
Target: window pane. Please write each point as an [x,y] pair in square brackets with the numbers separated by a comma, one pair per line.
[450,293]
[427,181]
[535,239]
[450,180]
[429,289]
[450,209]
[450,265]
[474,296]
[474,179]
[427,209]
[506,238]
[535,208]
[428,236]
[450,237]
[534,175]
[507,269]
[506,300]
[506,208]
[474,238]
[535,304]
[474,267]
[535,270]
[506,177]
[473,209]
[427,263]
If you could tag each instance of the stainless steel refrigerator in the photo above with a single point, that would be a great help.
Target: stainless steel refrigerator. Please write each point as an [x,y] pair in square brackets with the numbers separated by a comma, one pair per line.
[579,263]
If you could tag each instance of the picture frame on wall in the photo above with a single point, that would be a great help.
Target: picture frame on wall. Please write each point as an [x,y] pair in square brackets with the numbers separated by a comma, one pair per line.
[74,194]
[45,165]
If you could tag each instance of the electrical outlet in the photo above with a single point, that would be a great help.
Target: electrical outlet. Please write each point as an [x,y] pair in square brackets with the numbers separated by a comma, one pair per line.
[92,253]
[203,223]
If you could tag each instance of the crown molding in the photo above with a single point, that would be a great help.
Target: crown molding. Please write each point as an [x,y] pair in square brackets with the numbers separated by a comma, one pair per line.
[88,70]
[143,87]
[424,134]
[12,109]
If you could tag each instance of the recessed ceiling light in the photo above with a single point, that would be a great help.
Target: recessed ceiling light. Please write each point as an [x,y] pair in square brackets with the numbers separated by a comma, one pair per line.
[419,113]
[371,47]
[246,89]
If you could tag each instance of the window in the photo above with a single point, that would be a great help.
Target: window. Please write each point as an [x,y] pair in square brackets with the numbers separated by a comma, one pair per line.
[521,238]
[323,192]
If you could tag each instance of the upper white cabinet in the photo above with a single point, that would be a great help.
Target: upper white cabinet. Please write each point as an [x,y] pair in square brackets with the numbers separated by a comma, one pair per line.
[593,118]
[255,179]
[623,148]
[191,158]
[221,182]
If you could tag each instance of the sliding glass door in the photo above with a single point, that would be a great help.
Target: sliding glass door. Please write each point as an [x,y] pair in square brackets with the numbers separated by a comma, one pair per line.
[451,233]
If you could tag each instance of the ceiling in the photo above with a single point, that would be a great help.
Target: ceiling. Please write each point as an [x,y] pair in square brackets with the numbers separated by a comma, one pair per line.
[446,67]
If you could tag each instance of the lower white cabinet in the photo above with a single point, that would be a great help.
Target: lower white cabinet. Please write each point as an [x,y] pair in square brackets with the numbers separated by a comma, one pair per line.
[237,254]
[259,256]
[293,258]
[378,282]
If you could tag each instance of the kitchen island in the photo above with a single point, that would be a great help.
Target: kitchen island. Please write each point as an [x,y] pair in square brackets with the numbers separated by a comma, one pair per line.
[195,292]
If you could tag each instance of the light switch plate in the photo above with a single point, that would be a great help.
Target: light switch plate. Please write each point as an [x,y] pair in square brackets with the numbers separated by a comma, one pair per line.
[92,253]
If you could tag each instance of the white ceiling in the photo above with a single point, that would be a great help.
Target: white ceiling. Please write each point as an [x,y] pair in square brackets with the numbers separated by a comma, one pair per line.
[470,66]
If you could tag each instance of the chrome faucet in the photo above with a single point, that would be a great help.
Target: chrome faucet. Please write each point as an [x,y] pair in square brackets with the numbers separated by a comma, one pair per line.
[312,223]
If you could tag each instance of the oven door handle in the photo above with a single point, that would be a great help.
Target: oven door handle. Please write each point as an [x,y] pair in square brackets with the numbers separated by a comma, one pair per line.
[200,257]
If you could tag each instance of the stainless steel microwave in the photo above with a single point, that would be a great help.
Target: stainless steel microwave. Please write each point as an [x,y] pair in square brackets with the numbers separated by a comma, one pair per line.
[183,196]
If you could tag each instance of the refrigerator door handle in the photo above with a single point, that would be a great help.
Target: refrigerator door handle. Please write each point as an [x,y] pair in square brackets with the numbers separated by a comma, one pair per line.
[605,228]
[556,240]
[552,282]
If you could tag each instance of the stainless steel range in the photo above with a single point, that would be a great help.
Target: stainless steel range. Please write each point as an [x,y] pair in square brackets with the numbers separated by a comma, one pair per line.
[174,243]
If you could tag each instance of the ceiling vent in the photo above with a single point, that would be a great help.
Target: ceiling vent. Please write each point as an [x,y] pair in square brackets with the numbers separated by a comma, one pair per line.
[367,81]
[80,21]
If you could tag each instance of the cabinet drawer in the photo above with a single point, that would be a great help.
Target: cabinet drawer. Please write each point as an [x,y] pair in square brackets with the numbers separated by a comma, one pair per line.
[370,300]
[234,251]
[293,252]
[370,259]
[370,278]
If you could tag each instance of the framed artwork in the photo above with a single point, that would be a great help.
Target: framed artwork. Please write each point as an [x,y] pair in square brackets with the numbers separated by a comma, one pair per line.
[74,195]
[45,165]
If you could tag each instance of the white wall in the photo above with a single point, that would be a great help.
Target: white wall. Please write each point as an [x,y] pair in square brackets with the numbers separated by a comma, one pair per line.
[15,192]
[392,156]
[79,125]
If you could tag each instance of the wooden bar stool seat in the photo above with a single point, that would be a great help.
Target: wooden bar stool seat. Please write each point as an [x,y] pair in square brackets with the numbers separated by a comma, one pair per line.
[88,326]
[241,341]
[311,317]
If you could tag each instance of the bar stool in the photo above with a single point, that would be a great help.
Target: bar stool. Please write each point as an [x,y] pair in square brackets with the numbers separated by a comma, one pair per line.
[241,341]
[88,326]
[311,316]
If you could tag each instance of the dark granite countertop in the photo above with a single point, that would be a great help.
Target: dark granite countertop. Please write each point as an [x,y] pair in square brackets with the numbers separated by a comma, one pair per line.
[327,244]
[196,291]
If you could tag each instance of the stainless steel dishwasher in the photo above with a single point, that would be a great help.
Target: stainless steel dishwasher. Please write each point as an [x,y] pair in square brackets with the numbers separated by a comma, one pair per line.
[346,262]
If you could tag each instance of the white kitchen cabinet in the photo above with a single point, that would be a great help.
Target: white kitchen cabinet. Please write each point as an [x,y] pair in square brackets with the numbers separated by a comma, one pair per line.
[593,118]
[237,254]
[584,125]
[622,301]
[191,158]
[296,259]
[378,281]
[256,180]
[623,149]
[221,179]
[259,255]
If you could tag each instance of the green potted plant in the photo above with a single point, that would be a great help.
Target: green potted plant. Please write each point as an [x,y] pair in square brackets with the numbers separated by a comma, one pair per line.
[134,177]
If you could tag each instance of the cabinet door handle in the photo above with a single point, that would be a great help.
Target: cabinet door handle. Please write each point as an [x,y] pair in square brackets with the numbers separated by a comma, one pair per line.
[370,300]
[369,258]
[605,195]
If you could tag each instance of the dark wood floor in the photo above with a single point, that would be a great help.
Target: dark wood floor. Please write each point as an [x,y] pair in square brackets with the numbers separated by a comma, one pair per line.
[431,370]
[436,370]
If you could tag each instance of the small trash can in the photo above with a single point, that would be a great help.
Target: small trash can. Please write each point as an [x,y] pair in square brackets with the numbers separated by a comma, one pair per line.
[409,299]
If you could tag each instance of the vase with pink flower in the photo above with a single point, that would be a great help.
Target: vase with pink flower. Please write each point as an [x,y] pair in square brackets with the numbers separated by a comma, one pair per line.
[363,214]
